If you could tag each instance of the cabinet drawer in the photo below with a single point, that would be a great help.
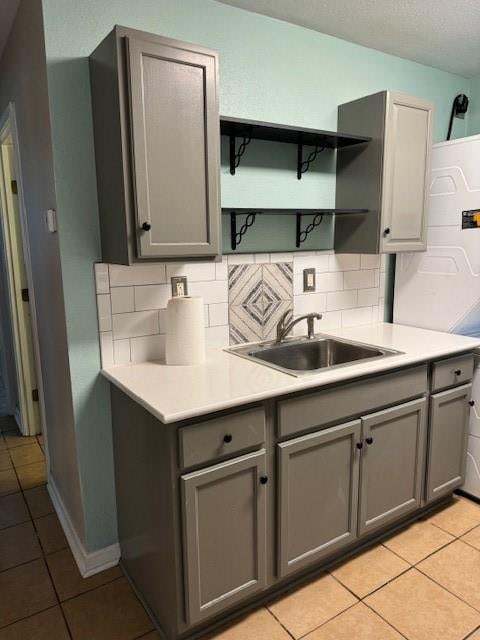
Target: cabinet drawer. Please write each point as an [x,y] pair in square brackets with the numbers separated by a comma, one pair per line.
[451,372]
[355,398]
[212,439]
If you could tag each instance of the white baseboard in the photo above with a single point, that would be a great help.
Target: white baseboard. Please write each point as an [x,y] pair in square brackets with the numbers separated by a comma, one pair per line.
[88,563]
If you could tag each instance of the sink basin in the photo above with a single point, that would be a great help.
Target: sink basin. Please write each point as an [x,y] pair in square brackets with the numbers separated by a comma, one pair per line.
[297,356]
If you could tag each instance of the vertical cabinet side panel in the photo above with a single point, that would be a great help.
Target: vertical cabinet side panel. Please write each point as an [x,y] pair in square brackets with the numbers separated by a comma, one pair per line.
[392,464]
[318,490]
[224,522]
[447,443]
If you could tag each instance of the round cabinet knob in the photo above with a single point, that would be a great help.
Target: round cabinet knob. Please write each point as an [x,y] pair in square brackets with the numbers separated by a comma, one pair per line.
[387,231]
[359,445]
[458,372]
[263,479]
[369,440]
[227,437]
[471,403]
[146,226]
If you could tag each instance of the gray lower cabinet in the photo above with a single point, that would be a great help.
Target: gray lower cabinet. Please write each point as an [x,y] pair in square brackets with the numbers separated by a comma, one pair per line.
[447,445]
[157,141]
[224,534]
[392,464]
[317,495]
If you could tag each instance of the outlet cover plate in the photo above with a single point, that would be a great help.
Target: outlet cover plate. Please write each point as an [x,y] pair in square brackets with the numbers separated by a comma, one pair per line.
[309,280]
[179,286]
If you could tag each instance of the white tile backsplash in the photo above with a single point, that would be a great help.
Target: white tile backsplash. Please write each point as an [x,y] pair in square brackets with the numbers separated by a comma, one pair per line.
[152,296]
[104,311]
[349,291]
[122,299]
[132,325]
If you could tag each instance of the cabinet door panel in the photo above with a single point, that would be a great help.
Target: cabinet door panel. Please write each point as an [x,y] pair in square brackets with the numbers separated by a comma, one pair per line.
[175,149]
[447,442]
[224,512]
[318,492]
[391,466]
[406,173]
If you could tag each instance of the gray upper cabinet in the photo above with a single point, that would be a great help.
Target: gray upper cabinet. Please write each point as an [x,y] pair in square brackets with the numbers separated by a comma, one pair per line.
[389,176]
[317,495]
[224,531]
[447,444]
[392,464]
[156,124]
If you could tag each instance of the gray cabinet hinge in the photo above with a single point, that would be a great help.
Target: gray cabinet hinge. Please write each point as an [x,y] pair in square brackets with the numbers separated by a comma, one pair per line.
[25,295]
[35,395]
[14,186]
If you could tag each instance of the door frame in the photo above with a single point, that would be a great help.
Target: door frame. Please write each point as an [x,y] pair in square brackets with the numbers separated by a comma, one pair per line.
[8,127]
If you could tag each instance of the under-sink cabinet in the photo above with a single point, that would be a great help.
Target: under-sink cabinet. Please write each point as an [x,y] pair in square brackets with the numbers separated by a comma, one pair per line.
[235,505]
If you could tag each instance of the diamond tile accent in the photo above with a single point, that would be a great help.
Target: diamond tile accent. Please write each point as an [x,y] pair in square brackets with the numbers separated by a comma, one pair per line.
[258,296]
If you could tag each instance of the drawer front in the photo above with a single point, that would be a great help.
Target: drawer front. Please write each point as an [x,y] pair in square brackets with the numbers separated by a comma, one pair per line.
[355,398]
[451,372]
[206,441]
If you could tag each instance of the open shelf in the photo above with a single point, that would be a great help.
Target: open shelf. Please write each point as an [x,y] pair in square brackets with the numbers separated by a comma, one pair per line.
[248,130]
[316,215]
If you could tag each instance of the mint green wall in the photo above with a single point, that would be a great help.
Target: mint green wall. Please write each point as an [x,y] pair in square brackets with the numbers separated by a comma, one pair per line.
[270,70]
[473,122]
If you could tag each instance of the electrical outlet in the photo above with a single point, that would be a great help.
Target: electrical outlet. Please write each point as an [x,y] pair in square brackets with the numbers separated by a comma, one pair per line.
[179,286]
[309,279]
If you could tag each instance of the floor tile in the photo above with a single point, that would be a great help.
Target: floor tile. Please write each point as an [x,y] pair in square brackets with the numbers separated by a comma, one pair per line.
[473,538]
[50,533]
[458,517]
[25,590]
[359,623]
[153,635]
[475,635]
[32,475]
[457,568]
[369,570]
[8,482]
[47,625]
[39,501]
[18,545]
[260,625]
[26,455]
[13,510]
[418,541]
[67,579]
[5,462]
[308,607]
[111,612]
[420,609]
[15,439]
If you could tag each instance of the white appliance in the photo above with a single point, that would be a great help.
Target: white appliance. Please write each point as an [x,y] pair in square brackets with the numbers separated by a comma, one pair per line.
[440,289]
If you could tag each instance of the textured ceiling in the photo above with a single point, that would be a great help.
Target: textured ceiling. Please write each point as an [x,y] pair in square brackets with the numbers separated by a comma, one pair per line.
[8,10]
[440,33]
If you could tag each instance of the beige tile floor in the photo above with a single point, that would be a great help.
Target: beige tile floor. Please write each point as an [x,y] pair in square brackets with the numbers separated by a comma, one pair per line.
[422,583]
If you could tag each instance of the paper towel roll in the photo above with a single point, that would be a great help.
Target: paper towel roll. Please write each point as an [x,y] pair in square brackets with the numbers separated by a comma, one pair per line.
[185,343]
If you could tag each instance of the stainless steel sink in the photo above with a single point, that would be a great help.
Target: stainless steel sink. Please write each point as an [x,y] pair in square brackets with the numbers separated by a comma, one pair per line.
[298,356]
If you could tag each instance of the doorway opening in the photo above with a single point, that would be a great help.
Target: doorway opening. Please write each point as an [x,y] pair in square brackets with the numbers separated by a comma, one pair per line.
[20,383]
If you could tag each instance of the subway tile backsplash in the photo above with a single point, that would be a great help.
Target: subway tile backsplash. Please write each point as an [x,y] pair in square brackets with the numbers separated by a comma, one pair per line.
[244,296]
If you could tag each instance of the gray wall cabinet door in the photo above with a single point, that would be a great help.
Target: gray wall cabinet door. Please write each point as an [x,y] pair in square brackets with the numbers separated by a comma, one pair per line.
[447,442]
[175,139]
[391,464]
[317,493]
[406,173]
[224,532]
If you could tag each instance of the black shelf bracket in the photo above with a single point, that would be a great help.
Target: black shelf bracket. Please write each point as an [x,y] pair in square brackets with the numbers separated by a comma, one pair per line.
[236,236]
[235,155]
[304,165]
[300,235]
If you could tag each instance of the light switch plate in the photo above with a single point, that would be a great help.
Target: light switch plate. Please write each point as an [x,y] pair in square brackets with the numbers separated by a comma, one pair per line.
[179,286]
[308,280]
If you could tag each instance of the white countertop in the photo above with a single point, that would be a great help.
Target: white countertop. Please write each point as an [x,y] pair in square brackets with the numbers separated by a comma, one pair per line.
[173,393]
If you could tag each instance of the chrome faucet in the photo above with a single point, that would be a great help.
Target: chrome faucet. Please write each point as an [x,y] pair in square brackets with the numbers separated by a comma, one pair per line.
[283,328]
